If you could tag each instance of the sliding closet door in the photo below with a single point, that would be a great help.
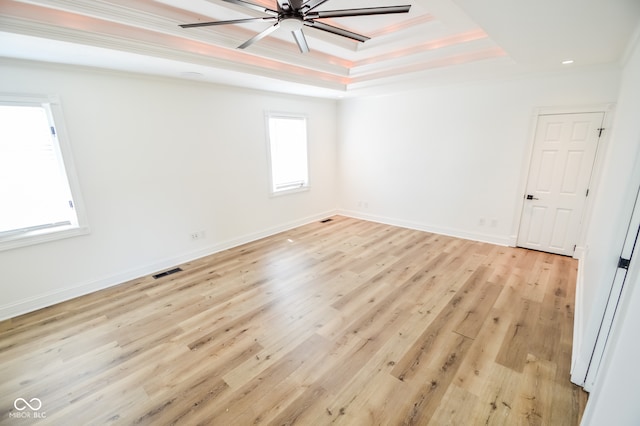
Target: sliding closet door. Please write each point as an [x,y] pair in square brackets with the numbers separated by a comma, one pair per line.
[614,295]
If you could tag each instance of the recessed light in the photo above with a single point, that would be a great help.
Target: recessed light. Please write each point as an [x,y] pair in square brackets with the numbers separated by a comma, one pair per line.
[567,62]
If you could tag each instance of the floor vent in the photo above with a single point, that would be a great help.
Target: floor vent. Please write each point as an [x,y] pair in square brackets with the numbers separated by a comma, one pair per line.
[165,273]
[326,220]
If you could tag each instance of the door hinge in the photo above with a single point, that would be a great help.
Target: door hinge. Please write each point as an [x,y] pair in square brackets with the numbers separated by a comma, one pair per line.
[587,194]
[574,248]
[624,263]
[600,131]
[53,131]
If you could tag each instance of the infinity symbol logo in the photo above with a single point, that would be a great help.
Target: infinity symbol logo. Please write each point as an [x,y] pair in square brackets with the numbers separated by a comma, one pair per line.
[21,404]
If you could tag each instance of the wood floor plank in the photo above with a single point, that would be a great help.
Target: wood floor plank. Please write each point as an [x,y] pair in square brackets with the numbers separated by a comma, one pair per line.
[431,340]
[456,408]
[477,309]
[476,369]
[515,346]
[433,387]
[534,397]
[495,402]
[346,322]
[244,402]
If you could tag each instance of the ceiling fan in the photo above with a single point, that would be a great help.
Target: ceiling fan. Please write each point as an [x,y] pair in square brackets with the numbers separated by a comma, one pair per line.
[292,15]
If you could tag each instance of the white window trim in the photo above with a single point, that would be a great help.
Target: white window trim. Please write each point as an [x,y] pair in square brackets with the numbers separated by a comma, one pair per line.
[293,190]
[42,235]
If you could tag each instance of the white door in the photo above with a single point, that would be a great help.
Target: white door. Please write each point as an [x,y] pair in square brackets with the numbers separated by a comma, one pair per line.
[564,150]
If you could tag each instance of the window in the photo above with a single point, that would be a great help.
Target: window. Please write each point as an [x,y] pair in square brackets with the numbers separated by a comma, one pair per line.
[38,200]
[288,152]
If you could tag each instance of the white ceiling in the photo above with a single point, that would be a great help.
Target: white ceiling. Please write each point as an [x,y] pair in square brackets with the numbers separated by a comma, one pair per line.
[437,41]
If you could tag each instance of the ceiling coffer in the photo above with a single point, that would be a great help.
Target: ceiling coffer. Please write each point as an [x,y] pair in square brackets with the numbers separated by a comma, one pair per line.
[293,15]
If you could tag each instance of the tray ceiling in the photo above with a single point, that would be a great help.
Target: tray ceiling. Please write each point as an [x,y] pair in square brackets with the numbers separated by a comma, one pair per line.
[436,38]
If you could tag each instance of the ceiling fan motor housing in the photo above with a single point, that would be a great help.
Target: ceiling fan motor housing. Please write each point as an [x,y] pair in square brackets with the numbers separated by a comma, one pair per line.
[291,23]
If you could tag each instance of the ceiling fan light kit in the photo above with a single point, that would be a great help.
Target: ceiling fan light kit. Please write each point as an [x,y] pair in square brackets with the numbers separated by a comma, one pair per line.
[293,15]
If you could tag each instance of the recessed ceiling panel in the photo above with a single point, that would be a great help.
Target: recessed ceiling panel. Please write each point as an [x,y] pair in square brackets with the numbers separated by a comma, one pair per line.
[434,34]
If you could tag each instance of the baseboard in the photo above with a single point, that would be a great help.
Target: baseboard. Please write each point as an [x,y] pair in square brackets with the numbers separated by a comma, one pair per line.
[40,301]
[579,366]
[579,252]
[484,238]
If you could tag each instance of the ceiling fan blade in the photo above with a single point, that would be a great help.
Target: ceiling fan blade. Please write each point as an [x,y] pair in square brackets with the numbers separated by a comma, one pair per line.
[253,6]
[234,21]
[335,30]
[259,36]
[359,12]
[298,35]
[309,5]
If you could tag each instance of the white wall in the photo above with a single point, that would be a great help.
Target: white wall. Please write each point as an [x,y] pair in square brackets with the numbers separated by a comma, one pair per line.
[453,160]
[614,399]
[611,212]
[158,159]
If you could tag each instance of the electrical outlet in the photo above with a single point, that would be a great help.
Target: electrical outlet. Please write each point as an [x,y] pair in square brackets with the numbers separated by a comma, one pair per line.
[198,235]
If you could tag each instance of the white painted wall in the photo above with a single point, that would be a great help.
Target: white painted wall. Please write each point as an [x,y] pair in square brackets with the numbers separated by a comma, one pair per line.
[453,160]
[158,159]
[614,399]
[610,215]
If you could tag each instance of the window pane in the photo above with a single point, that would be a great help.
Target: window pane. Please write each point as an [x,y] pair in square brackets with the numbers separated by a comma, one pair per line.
[34,189]
[288,143]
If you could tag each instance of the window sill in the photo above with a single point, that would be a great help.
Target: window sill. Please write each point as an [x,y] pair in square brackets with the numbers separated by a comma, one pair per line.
[41,236]
[290,191]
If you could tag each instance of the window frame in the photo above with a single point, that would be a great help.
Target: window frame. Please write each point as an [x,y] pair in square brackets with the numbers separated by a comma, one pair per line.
[37,235]
[286,115]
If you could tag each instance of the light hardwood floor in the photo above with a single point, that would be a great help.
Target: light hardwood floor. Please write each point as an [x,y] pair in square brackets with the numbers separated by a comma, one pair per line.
[347,322]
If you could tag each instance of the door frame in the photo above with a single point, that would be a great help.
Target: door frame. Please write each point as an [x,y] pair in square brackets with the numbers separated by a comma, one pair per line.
[596,171]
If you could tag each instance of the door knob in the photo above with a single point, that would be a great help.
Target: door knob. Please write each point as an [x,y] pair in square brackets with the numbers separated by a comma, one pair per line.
[531,197]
